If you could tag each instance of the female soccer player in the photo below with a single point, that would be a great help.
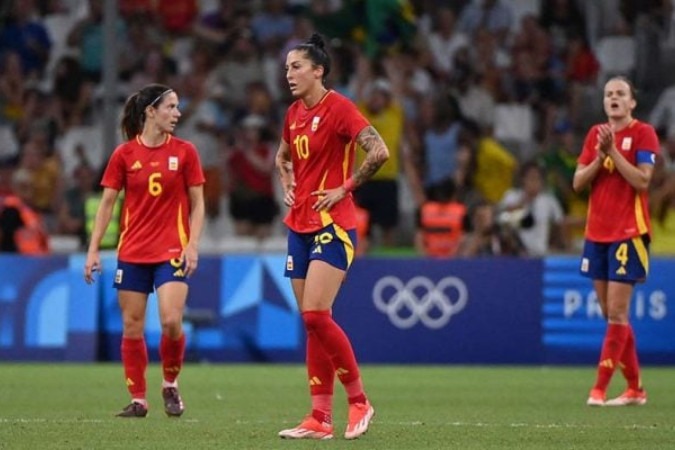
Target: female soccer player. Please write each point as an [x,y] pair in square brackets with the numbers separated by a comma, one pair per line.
[617,162]
[315,163]
[162,219]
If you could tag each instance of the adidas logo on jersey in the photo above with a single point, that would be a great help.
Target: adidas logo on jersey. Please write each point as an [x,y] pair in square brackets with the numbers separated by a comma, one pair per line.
[137,165]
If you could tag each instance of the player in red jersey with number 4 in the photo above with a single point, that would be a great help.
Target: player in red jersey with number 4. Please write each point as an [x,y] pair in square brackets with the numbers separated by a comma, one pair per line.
[161,222]
[315,162]
[617,162]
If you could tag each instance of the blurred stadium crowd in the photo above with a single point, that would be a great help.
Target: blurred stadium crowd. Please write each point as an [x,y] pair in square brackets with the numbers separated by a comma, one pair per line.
[484,105]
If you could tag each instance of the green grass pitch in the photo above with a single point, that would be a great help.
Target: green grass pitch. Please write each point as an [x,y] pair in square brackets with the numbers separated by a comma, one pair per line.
[417,407]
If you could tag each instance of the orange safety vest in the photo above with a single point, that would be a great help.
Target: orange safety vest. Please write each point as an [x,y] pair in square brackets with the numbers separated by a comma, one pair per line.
[441,225]
[32,238]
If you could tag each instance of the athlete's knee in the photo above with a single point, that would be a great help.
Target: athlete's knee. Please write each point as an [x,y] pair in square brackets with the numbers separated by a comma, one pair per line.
[617,315]
[133,325]
[172,325]
[315,319]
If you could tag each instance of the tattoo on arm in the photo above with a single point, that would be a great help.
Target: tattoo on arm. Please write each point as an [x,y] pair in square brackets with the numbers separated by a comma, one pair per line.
[377,154]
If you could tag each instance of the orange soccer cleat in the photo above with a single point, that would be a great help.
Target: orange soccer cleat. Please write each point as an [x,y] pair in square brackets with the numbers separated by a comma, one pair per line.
[596,398]
[360,415]
[629,397]
[309,428]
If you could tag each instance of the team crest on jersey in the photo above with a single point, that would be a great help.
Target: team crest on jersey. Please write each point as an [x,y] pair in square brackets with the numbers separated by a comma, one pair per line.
[626,143]
[173,163]
[315,122]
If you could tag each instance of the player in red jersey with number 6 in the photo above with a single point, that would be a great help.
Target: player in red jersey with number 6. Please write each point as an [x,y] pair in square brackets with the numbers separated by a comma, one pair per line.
[617,162]
[315,162]
[161,222]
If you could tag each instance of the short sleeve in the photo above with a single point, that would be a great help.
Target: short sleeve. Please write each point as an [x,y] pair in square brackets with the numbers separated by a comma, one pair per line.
[194,174]
[113,176]
[351,121]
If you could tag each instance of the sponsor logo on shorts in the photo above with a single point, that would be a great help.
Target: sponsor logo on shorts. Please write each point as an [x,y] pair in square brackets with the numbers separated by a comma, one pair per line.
[118,276]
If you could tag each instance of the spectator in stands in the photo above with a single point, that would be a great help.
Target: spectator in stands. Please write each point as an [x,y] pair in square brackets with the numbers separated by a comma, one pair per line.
[21,227]
[87,38]
[533,212]
[440,224]
[444,41]
[72,94]
[251,176]
[494,166]
[155,67]
[378,101]
[12,88]
[273,25]
[582,70]
[203,123]
[562,19]
[496,16]
[242,65]
[177,16]
[485,237]
[218,27]
[45,172]
[662,115]
[71,219]
[38,118]
[559,161]
[27,37]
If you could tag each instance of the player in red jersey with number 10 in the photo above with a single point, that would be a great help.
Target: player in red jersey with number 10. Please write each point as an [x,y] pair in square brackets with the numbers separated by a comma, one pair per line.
[617,162]
[315,162]
[161,222]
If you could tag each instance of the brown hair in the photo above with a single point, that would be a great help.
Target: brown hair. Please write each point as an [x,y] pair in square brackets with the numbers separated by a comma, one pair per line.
[133,116]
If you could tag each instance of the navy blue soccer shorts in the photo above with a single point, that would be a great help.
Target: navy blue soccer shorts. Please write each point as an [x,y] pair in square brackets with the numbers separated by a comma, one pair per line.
[146,278]
[625,261]
[331,244]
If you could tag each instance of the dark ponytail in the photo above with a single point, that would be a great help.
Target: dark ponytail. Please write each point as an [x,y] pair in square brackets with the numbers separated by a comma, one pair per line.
[133,115]
[315,48]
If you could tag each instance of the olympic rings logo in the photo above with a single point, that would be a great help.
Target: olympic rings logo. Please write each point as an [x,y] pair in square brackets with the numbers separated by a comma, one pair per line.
[420,300]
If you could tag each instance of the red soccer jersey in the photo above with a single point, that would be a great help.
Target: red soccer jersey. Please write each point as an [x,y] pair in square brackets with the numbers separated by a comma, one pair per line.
[322,143]
[616,211]
[155,216]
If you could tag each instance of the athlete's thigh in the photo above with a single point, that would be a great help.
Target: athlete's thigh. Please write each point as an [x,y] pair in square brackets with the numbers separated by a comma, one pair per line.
[171,299]
[172,288]
[321,286]
[298,285]
[132,304]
